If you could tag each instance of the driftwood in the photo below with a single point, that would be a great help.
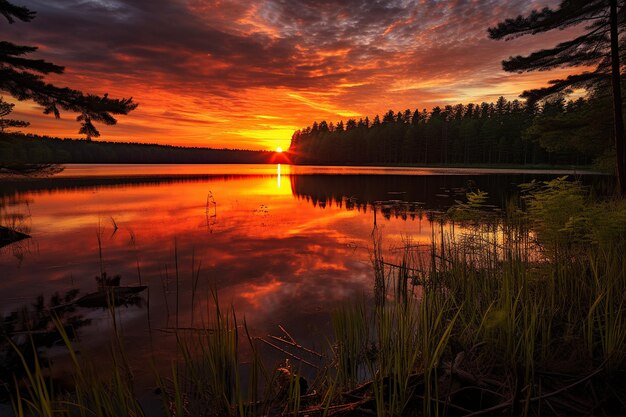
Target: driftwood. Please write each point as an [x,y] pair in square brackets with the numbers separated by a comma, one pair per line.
[291,355]
[9,236]
[469,384]
[465,392]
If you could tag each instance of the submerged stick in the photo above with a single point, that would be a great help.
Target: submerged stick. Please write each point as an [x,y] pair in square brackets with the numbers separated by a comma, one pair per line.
[297,346]
[287,333]
[288,353]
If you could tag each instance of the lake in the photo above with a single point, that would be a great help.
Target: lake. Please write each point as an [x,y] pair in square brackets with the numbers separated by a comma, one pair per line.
[283,245]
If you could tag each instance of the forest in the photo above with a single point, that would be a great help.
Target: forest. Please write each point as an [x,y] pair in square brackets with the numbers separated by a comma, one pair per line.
[552,132]
[18,148]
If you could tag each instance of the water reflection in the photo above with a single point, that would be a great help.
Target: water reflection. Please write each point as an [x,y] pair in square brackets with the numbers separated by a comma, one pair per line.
[432,192]
[280,254]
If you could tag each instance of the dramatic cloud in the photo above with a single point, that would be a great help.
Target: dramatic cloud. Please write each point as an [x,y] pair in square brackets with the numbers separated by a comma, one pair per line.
[241,74]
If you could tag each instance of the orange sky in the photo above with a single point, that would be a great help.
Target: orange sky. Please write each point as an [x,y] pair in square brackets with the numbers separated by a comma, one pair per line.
[241,74]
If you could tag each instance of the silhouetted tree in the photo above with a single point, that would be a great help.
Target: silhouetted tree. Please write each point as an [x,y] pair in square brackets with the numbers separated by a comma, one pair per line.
[5,110]
[407,116]
[507,132]
[23,78]
[598,47]
[578,128]
[29,149]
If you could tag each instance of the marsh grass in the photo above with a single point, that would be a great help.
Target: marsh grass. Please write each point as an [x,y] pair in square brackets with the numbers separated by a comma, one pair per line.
[210,367]
[520,313]
[93,393]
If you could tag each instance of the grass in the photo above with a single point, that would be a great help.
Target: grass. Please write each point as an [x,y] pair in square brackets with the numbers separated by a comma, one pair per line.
[521,314]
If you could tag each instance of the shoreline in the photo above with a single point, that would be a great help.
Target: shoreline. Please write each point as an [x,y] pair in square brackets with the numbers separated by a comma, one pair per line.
[195,170]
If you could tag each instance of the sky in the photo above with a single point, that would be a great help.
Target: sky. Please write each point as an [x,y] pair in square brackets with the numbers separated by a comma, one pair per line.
[246,74]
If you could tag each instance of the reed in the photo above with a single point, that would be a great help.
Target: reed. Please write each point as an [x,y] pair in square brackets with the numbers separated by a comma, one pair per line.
[500,305]
[522,313]
[93,394]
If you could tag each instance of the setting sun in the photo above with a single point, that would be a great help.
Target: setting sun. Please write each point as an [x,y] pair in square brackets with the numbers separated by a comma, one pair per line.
[279,149]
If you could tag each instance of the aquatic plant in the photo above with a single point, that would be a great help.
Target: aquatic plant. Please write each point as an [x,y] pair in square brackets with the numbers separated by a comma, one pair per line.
[524,315]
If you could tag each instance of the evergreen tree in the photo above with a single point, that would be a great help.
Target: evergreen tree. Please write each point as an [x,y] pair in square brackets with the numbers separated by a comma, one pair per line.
[415,119]
[504,132]
[389,117]
[23,78]
[5,110]
[578,128]
[407,116]
[598,46]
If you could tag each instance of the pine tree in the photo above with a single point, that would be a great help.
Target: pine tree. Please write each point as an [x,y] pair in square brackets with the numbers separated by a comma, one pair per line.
[598,47]
[5,110]
[23,78]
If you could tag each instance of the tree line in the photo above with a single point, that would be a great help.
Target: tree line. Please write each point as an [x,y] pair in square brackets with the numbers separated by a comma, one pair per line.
[504,132]
[34,149]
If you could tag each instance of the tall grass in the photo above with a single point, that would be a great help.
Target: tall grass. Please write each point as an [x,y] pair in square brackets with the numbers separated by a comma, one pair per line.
[211,367]
[518,313]
[94,394]
[502,303]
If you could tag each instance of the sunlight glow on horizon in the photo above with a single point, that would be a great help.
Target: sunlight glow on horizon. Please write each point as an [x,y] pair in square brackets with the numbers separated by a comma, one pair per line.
[260,78]
[274,123]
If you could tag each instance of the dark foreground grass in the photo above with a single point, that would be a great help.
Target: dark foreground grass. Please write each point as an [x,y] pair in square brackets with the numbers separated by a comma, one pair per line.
[522,315]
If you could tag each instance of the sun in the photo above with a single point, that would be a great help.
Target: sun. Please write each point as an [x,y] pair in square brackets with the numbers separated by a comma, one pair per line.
[279,149]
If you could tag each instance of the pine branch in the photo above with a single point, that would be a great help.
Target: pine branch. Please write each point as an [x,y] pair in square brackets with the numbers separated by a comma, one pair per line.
[12,12]
[8,123]
[569,13]
[8,48]
[586,49]
[22,78]
[37,65]
[27,86]
[584,80]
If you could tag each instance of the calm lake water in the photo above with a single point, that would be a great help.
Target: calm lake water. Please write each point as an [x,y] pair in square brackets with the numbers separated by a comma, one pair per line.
[282,244]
